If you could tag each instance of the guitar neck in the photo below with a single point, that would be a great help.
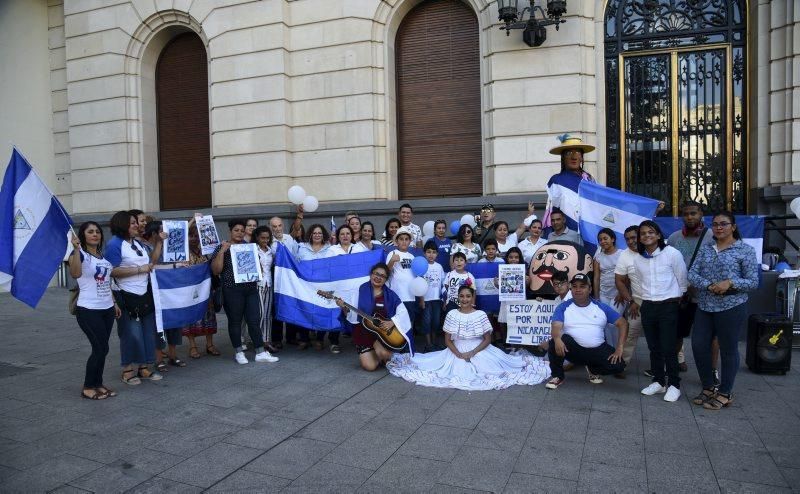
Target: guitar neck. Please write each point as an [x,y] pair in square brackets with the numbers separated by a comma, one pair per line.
[355,309]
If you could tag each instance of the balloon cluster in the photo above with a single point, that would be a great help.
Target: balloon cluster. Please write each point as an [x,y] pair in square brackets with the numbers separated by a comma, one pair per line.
[297,195]
[419,285]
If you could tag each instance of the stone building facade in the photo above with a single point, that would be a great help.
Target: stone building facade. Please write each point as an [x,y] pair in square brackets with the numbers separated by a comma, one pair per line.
[306,92]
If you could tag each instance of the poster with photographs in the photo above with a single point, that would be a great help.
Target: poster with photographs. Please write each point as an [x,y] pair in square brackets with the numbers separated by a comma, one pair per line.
[176,245]
[512,282]
[246,267]
[207,230]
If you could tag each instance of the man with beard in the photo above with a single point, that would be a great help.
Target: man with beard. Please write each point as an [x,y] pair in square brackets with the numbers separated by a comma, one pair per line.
[556,256]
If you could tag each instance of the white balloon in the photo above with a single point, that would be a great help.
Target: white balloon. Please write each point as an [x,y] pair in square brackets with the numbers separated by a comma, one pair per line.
[795,206]
[427,229]
[418,286]
[468,219]
[310,204]
[296,194]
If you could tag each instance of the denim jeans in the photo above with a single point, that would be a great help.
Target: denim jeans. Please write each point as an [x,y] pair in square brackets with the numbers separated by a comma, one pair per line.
[243,302]
[96,325]
[660,324]
[137,343]
[726,326]
[432,317]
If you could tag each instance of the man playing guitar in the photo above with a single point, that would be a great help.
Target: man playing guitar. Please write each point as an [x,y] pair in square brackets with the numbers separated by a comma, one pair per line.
[376,298]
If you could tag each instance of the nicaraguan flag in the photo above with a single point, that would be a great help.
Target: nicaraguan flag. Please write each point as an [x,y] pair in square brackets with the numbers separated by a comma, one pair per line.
[33,232]
[750,227]
[180,295]
[297,282]
[604,207]
[485,289]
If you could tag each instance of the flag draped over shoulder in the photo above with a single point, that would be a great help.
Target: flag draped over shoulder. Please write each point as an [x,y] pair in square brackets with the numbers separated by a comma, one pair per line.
[750,227]
[180,295]
[487,293]
[562,193]
[604,207]
[33,232]
[297,282]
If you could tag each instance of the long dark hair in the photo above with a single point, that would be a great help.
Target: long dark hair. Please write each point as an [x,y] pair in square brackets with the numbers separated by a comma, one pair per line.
[310,232]
[386,229]
[82,235]
[736,234]
[460,235]
[120,223]
[652,224]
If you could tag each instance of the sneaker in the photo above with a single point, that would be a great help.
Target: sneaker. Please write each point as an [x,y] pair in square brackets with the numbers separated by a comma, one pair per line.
[240,358]
[673,394]
[155,376]
[335,349]
[594,378]
[682,367]
[715,372]
[265,356]
[653,389]
[554,383]
[649,373]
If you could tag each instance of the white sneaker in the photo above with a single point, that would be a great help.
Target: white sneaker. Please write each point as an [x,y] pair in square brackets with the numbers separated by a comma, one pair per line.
[673,394]
[240,358]
[653,389]
[594,378]
[265,356]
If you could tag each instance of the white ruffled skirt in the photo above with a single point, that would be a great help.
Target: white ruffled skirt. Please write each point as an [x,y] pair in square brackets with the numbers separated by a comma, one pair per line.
[489,369]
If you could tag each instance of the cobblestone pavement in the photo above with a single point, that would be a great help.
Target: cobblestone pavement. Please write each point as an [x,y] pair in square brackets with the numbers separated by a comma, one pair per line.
[315,423]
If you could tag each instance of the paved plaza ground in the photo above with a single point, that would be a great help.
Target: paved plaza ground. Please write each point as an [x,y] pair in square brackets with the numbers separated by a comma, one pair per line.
[315,423]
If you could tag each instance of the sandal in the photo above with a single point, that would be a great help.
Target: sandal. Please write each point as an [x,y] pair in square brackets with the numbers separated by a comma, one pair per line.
[108,392]
[133,380]
[96,396]
[160,367]
[704,396]
[212,350]
[145,373]
[194,353]
[177,362]
[718,401]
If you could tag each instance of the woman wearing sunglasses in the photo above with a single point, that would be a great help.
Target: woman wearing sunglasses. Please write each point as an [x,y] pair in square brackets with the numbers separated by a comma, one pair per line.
[723,273]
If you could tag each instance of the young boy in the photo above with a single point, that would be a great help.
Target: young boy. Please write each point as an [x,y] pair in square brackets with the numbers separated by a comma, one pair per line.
[490,252]
[399,263]
[432,302]
[454,279]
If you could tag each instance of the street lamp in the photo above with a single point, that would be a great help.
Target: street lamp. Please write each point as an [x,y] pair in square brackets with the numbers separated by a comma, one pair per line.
[534,30]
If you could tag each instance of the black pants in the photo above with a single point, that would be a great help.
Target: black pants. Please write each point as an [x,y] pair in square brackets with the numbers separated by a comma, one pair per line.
[595,358]
[660,325]
[243,302]
[294,332]
[333,336]
[686,312]
[96,325]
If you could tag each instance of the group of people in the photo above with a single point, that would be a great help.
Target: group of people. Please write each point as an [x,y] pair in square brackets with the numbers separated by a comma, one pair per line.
[700,280]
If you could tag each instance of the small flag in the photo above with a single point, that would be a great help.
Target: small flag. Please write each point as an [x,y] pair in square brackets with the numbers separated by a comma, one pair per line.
[488,294]
[180,295]
[33,232]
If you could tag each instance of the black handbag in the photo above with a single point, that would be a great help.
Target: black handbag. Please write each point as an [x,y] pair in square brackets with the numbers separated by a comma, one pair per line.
[137,306]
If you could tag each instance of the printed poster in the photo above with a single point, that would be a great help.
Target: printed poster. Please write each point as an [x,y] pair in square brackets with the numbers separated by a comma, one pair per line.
[512,282]
[207,230]
[246,267]
[529,321]
[176,245]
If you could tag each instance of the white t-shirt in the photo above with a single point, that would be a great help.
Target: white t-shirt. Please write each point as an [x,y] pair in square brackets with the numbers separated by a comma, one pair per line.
[265,260]
[337,250]
[401,275]
[625,267]
[124,254]
[529,249]
[434,277]
[472,254]
[94,283]
[416,233]
[511,241]
[585,324]
[452,282]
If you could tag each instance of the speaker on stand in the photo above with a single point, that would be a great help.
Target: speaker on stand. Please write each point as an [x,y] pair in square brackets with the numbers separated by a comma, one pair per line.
[769,343]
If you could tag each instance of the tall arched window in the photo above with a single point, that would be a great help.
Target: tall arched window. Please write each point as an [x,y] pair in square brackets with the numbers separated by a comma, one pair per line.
[437,62]
[184,164]
[676,100]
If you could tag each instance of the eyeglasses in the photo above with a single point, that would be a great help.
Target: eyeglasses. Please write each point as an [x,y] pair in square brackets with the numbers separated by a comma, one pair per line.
[559,283]
[721,224]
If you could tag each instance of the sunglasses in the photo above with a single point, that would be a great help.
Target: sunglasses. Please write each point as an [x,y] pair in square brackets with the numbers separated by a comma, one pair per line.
[136,249]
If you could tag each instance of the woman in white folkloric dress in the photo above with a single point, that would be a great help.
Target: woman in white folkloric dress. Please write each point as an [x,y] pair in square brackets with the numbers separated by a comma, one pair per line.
[469,362]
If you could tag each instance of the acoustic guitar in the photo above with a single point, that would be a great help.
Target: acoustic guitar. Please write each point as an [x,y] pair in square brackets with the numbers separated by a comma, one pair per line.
[391,338]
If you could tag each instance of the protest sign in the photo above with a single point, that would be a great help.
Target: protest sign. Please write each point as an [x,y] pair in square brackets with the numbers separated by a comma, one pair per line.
[209,238]
[529,321]
[176,245]
[246,267]
[512,282]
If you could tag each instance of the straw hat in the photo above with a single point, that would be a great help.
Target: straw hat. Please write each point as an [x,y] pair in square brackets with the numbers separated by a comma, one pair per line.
[570,142]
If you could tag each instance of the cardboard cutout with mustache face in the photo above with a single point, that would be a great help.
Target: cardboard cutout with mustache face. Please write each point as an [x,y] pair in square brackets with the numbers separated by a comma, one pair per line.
[558,255]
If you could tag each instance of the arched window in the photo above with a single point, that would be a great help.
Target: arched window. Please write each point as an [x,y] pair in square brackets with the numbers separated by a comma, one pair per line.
[437,62]
[676,100]
[184,164]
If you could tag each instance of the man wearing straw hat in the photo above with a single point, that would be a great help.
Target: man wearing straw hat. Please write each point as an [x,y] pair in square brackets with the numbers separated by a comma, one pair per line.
[562,188]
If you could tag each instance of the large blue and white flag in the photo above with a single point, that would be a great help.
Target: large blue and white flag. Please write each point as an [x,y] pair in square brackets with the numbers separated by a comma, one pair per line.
[180,295]
[297,282]
[751,228]
[486,291]
[604,207]
[34,230]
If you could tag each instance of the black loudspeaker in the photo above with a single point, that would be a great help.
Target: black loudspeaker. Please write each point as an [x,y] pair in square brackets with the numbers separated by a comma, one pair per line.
[769,343]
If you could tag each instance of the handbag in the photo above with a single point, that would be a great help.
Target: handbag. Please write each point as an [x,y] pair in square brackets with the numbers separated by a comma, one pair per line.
[72,305]
[137,306]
